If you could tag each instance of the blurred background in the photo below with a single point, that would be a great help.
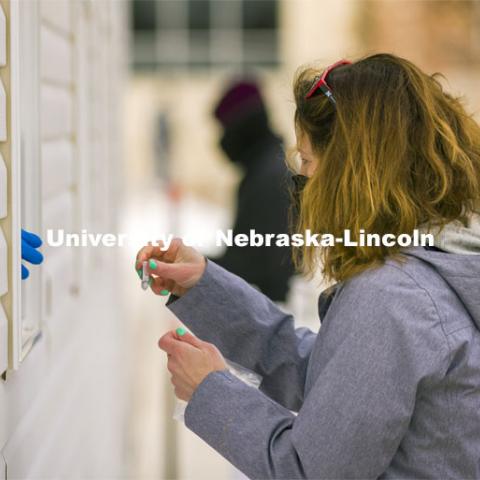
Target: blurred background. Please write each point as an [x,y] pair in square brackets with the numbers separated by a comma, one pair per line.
[184,53]
[163,67]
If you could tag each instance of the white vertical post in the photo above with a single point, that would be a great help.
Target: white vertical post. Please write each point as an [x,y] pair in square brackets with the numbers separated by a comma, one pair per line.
[3,201]
[15,194]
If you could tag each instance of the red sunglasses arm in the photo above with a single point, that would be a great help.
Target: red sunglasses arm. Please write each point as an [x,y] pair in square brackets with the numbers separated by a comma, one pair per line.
[321,82]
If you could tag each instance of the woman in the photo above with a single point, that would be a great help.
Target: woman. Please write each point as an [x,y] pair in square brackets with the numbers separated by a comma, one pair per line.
[390,387]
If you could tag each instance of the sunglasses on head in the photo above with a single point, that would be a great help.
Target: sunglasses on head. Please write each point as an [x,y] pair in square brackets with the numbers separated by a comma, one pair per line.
[320,82]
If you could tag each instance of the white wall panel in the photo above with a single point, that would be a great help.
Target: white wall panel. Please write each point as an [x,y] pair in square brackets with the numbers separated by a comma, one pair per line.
[37,404]
[3,113]
[58,13]
[3,346]
[56,56]
[3,265]
[3,188]
[3,38]
[59,436]
[58,212]
[32,439]
[57,167]
[58,276]
[56,112]
[59,267]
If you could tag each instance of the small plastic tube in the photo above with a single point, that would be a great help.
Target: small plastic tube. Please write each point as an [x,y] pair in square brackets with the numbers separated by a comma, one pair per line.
[145,276]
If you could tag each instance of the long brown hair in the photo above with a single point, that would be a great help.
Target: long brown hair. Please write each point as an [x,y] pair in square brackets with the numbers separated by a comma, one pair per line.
[395,153]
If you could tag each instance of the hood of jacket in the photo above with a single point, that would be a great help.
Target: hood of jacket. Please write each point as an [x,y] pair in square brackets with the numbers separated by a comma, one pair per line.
[460,271]
[459,237]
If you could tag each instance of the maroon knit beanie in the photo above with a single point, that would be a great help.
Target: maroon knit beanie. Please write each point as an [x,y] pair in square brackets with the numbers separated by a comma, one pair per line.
[240,99]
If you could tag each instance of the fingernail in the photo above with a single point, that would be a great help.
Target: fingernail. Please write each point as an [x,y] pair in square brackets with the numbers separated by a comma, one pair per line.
[150,280]
[181,331]
[152,264]
[139,271]
[164,292]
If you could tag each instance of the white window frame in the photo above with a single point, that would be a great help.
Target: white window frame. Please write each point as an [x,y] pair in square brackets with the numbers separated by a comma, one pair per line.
[26,192]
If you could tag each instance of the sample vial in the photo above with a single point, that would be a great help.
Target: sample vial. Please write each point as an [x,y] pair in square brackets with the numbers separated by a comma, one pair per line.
[145,276]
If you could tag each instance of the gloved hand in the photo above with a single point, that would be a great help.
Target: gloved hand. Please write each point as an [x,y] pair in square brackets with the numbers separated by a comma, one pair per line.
[30,242]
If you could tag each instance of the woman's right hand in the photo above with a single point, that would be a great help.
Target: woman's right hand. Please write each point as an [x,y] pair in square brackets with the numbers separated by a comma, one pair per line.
[177,269]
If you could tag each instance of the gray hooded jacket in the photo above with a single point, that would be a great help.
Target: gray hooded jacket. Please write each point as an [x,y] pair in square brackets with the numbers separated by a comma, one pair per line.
[389,387]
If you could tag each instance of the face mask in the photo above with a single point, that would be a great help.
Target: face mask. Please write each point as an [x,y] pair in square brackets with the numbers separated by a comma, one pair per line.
[299,182]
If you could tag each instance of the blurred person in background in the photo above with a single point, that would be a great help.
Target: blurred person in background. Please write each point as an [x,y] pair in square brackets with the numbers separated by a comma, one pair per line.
[262,202]
[390,386]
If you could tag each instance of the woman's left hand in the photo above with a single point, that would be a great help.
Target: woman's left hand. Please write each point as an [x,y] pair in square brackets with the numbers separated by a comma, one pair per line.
[190,360]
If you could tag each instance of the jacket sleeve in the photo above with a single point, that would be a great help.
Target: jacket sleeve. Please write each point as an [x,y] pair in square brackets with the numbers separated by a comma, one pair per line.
[250,330]
[359,407]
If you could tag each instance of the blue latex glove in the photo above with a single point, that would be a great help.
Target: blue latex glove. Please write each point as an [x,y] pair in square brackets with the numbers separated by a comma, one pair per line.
[30,242]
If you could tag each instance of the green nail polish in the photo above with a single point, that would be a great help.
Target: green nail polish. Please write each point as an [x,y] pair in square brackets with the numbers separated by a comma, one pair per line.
[164,292]
[152,264]
[181,331]
[150,280]
[139,271]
